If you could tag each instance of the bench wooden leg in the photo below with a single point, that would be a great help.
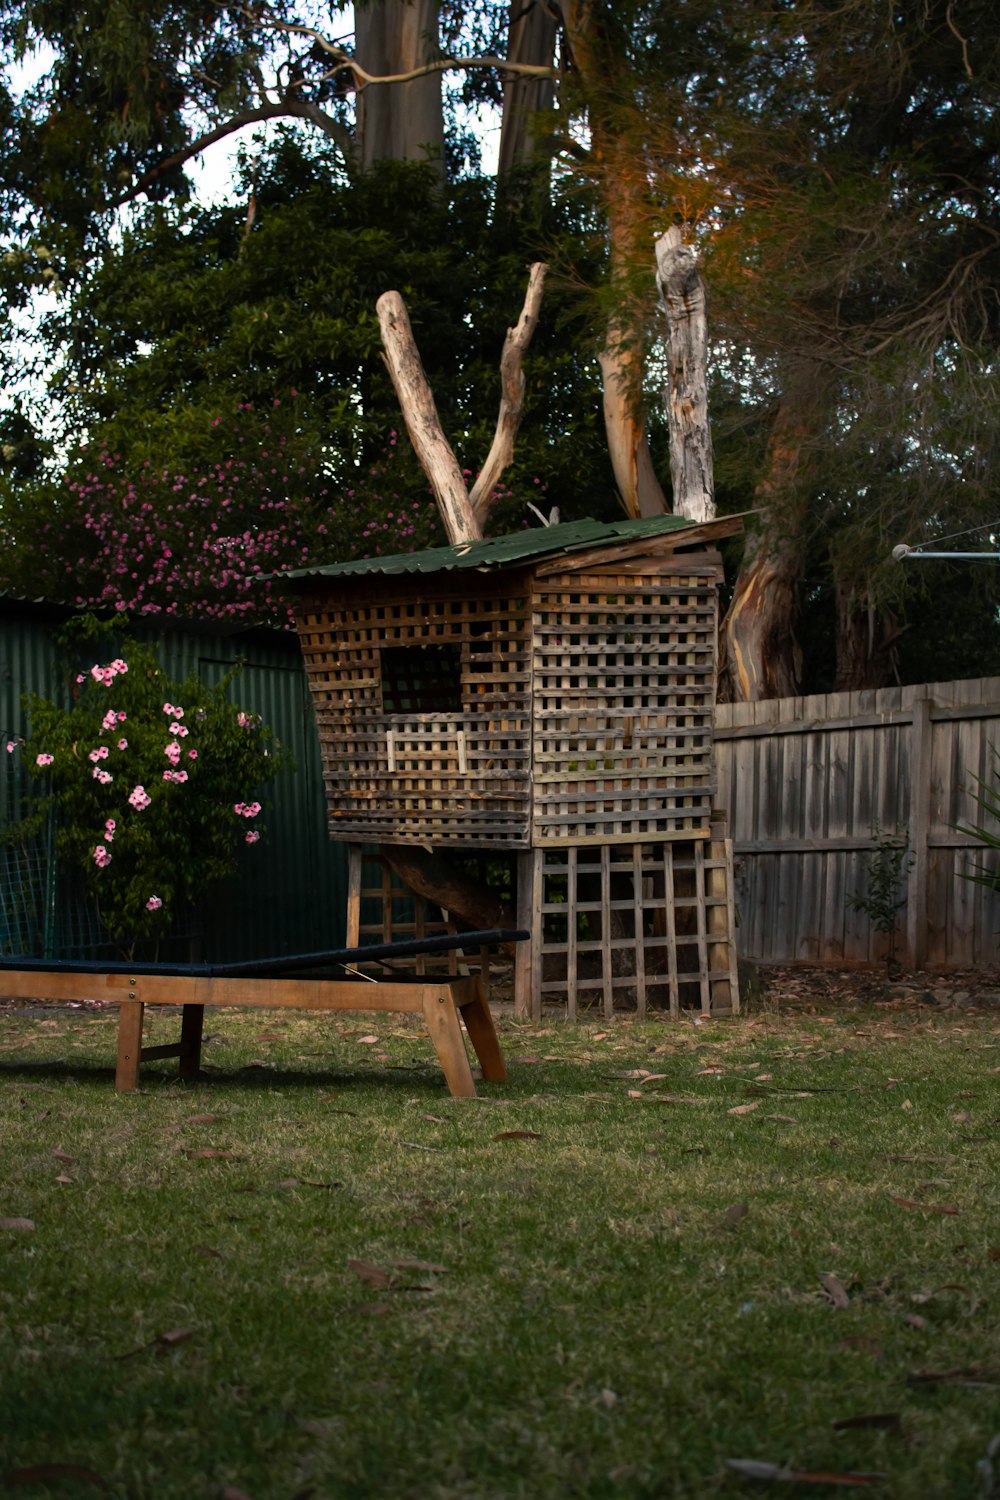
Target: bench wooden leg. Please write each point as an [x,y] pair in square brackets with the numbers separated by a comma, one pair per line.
[441,1016]
[130,1014]
[483,1035]
[192,1026]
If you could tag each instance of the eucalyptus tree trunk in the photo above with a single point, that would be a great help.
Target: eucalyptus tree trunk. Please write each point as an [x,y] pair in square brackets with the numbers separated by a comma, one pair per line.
[622,177]
[399,121]
[866,640]
[682,293]
[761,655]
[531,38]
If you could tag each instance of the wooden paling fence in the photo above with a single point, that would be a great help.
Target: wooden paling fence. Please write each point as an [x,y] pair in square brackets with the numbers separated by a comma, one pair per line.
[809,786]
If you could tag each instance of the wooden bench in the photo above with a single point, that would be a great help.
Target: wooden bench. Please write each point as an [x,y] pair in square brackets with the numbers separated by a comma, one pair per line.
[445,1000]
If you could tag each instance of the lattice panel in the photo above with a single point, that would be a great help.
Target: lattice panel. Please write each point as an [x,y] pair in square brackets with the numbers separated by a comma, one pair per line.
[423,716]
[638,927]
[623,677]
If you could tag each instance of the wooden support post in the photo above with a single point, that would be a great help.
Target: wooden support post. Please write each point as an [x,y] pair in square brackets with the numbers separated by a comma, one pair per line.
[130,1017]
[920,817]
[445,1031]
[526,921]
[482,1033]
[192,1026]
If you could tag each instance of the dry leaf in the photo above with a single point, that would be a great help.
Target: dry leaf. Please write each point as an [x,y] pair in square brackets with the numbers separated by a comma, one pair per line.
[367,1041]
[733,1215]
[210,1152]
[928,1208]
[208,1252]
[65,1181]
[916,1321]
[887,1420]
[518,1135]
[835,1290]
[750,1468]
[600,1036]
[743,1109]
[17,1223]
[373,1275]
[201,1119]
[67,1161]
[633,1094]
[174,1336]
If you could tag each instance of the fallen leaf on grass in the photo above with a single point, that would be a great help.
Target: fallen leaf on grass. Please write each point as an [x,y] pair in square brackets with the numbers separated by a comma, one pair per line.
[173,1337]
[743,1109]
[980,1379]
[17,1223]
[209,1152]
[783,1119]
[208,1252]
[750,1468]
[888,1421]
[42,1473]
[202,1119]
[269,1036]
[436,1119]
[366,1041]
[371,1274]
[67,1161]
[65,1181]
[518,1135]
[928,1208]
[835,1290]
[914,1320]
[733,1215]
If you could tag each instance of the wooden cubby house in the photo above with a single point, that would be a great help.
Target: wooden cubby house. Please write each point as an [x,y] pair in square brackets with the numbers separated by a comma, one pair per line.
[545,699]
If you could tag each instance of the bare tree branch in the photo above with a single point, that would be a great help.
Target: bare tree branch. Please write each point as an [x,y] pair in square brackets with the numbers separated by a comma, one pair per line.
[422,421]
[512,394]
[287,109]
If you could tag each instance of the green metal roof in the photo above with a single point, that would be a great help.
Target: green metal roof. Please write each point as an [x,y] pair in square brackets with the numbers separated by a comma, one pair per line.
[503,551]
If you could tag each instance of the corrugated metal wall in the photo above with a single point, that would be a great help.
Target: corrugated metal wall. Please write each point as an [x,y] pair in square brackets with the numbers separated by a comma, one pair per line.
[291,894]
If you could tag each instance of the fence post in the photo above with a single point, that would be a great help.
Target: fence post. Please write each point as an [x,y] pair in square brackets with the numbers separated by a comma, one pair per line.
[920,817]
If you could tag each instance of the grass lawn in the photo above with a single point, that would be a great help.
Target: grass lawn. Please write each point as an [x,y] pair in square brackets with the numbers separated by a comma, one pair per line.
[658,1260]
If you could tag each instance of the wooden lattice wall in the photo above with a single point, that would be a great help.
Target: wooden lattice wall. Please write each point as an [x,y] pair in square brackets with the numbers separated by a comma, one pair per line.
[623,699]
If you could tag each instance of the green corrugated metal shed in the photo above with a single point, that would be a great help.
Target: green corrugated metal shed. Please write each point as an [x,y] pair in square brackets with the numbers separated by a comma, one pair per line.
[506,551]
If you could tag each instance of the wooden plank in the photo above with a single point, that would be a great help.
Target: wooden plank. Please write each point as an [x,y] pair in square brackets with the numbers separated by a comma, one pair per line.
[919,831]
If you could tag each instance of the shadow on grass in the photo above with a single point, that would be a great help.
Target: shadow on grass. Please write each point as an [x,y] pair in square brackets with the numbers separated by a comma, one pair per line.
[397,1078]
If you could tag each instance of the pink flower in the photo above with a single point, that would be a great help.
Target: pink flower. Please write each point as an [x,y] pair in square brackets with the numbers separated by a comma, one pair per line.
[101,857]
[110,719]
[120,666]
[104,777]
[252,836]
[192,755]
[172,752]
[170,710]
[178,776]
[109,829]
[139,798]
[101,753]
[154,903]
[123,744]
[44,760]
[12,746]
[121,717]
[179,729]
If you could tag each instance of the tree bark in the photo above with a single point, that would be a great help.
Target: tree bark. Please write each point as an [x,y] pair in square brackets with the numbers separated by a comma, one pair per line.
[621,175]
[683,297]
[531,38]
[423,423]
[399,121]
[866,641]
[761,656]
[511,395]
[437,879]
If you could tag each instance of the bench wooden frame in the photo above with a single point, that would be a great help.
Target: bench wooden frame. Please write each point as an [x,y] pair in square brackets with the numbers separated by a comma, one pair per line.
[446,1002]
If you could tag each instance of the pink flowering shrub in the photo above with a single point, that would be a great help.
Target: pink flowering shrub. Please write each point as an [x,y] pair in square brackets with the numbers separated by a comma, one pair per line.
[147,838]
[204,542]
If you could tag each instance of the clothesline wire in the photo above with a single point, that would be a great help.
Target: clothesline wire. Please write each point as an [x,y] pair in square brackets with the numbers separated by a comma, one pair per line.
[971,531]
